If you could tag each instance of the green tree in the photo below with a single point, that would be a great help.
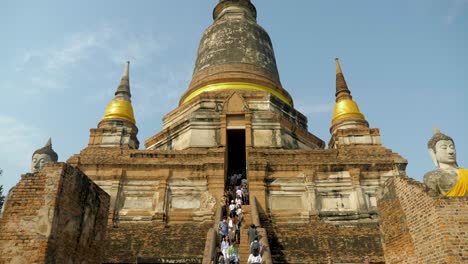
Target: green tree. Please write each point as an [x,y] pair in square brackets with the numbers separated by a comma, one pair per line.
[2,197]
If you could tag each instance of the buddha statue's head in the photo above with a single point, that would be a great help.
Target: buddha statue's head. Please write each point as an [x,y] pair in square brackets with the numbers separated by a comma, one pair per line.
[442,150]
[43,155]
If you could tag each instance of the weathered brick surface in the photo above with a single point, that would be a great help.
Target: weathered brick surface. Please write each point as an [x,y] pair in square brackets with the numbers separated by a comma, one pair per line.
[314,242]
[156,243]
[55,216]
[398,243]
[420,228]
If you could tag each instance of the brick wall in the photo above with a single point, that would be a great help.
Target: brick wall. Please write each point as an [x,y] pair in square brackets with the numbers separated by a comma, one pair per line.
[420,228]
[153,242]
[55,216]
[315,242]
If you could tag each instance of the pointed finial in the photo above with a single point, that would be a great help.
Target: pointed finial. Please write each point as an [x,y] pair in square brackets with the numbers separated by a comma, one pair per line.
[127,65]
[342,91]
[436,130]
[49,143]
[338,67]
[124,86]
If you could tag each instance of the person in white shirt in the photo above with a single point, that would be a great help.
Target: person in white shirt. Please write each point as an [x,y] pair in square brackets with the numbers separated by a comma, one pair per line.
[232,206]
[224,246]
[239,192]
[254,259]
[238,200]
[239,213]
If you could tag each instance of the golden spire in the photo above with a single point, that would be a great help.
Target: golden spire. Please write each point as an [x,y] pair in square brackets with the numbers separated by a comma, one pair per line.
[121,106]
[345,107]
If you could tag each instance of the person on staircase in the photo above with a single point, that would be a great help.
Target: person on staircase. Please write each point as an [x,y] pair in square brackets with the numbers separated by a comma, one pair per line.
[223,228]
[239,213]
[256,247]
[232,207]
[252,233]
[224,247]
[234,230]
[245,193]
[233,253]
[238,200]
[254,259]
[239,191]
[221,259]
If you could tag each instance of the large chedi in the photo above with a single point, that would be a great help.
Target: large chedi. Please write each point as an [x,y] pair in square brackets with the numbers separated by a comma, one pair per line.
[235,117]
[235,93]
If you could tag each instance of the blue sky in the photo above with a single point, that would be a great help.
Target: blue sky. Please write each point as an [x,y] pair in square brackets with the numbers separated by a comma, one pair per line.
[405,62]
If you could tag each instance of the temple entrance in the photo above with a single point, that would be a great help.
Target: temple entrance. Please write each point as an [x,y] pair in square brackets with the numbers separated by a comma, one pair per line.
[236,151]
[236,161]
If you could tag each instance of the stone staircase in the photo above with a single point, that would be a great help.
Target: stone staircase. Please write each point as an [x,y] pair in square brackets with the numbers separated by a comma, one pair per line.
[250,216]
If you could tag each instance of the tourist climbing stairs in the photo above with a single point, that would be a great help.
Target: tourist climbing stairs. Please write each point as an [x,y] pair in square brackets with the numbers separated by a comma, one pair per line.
[244,246]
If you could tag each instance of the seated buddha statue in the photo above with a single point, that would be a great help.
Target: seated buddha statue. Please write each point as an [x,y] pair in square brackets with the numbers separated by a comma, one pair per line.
[42,156]
[39,158]
[448,179]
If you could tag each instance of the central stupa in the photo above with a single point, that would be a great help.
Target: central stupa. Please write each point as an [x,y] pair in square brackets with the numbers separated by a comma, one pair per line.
[235,53]
[235,86]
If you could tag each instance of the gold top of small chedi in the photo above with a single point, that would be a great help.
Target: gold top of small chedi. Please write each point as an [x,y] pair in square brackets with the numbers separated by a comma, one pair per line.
[346,109]
[121,106]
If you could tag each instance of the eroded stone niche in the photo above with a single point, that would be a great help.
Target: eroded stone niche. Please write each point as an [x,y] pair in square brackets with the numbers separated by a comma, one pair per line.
[189,199]
[332,195]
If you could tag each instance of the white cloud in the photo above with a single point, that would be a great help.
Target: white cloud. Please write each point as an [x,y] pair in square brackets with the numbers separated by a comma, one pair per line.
[52,68]
[76,49]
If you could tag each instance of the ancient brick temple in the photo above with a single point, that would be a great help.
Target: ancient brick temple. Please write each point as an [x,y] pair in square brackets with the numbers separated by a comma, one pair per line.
[313,203]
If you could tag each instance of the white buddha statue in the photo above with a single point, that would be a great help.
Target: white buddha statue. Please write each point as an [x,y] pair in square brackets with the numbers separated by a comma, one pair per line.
[448,179]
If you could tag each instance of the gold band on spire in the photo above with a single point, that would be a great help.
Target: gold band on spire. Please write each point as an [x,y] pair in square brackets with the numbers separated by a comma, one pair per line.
[236,86]
[119,109]
[346,108]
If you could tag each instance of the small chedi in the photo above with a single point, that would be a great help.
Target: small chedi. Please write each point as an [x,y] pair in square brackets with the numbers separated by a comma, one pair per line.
[448,179]
[43,155]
